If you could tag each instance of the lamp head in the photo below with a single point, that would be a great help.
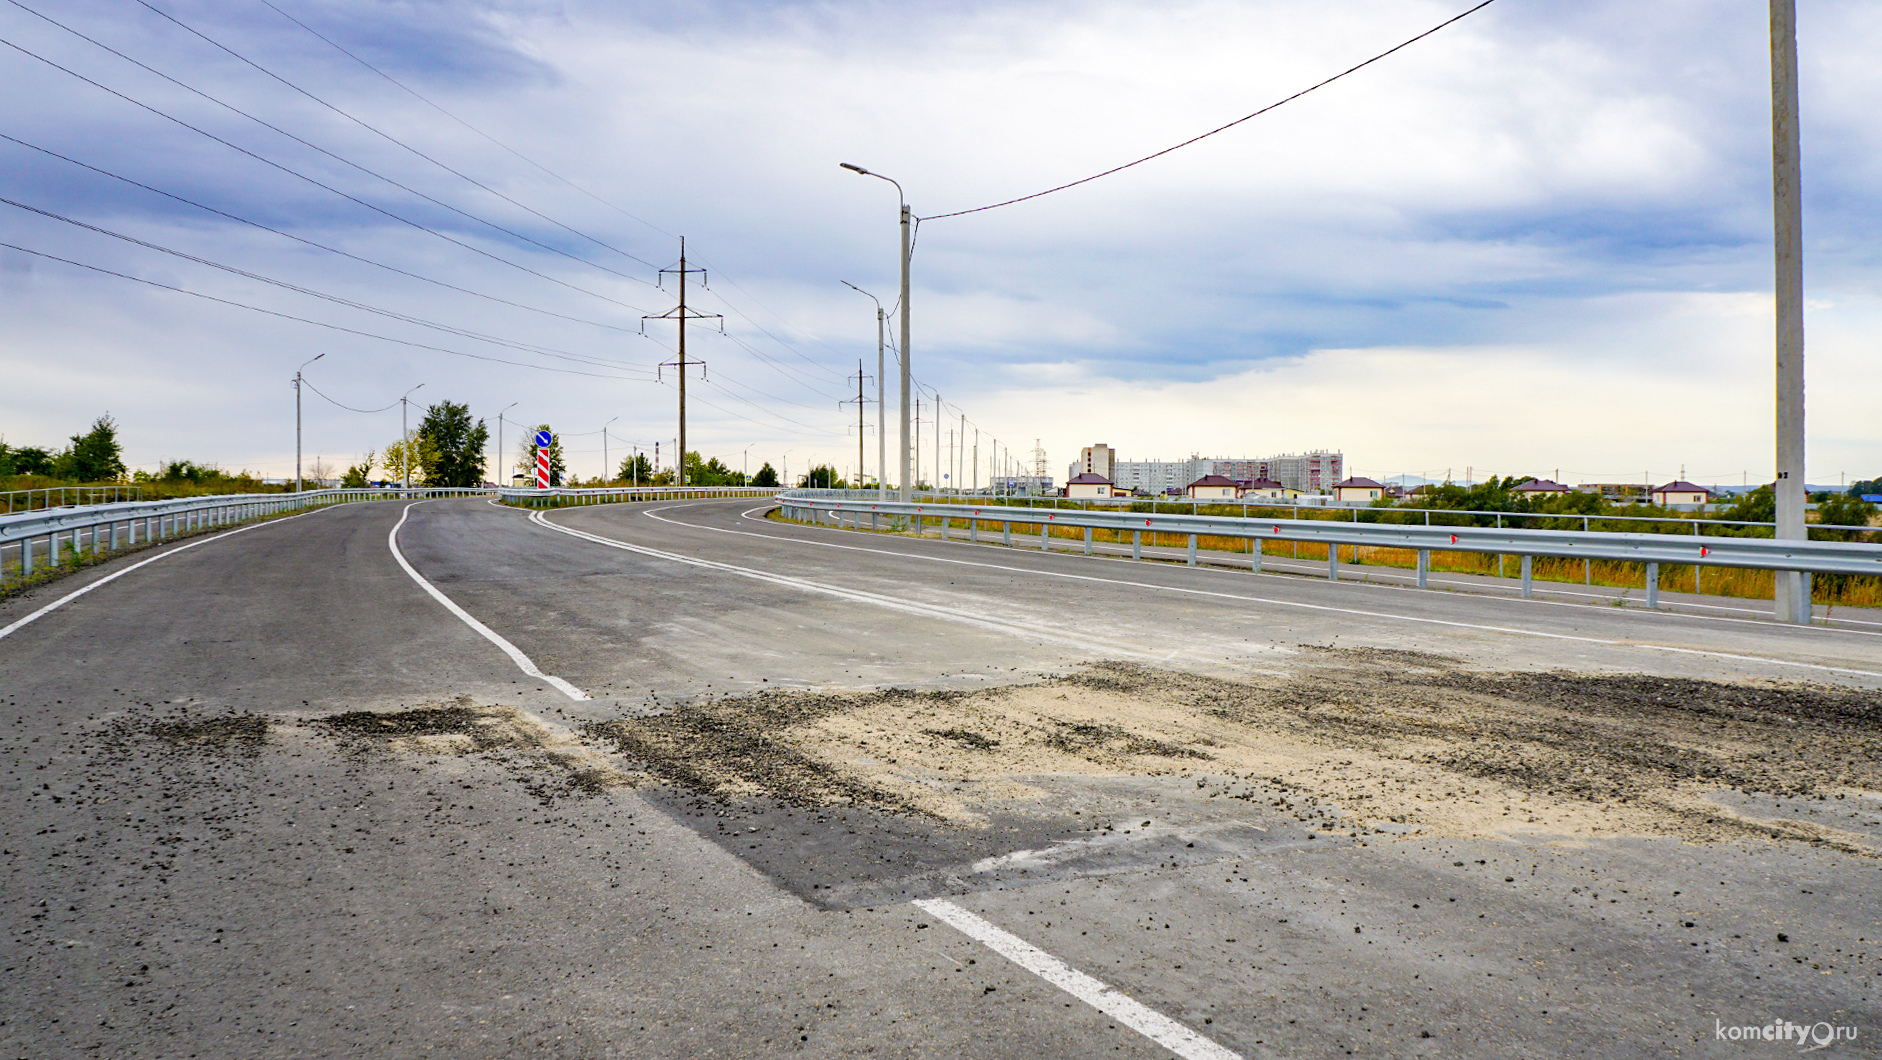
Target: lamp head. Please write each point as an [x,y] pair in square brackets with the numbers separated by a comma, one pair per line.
[854,169]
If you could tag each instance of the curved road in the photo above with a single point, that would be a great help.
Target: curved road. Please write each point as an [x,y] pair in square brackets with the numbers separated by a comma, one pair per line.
[200,858]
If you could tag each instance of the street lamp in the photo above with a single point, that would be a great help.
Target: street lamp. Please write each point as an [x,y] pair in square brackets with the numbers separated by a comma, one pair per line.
[605,476]
[297,419]
[882,433]
[505,408]
[786,461]
[908,470]
[405,428]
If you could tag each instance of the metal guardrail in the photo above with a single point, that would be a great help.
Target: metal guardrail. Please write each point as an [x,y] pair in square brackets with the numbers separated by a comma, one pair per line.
[47,537]
[1814,557]
[67,497]
[621,494]
[1323,507]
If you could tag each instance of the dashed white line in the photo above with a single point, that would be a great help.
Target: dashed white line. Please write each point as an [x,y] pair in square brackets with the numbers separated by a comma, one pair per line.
[1126,1010]
[522,661]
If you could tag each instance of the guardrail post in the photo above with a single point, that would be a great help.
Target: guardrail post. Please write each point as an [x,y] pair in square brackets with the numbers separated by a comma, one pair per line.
[1087,540]
[1653,585]
[1424,566]
[973,531]
[1333,562]
[26,556]
[1528,590]
[1045,537]
[917,524]
[1006,534]
[1254,555]
[1192,550]
[1137,544]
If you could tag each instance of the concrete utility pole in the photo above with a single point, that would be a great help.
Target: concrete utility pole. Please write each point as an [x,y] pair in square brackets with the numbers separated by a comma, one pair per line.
[405,428]
[1793,587]
[908,249]
[937,441]
[882,422]
[861,404]
[297,419]
[917,449]
[682,315]
[500,456]
[607,473]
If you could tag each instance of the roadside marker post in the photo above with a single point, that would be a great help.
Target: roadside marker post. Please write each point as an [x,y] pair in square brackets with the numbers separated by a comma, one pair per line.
[543,441]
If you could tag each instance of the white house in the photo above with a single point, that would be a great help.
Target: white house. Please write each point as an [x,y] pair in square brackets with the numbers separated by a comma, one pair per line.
[1090,485]
[1213,488]
[1681,492]
[1358,489]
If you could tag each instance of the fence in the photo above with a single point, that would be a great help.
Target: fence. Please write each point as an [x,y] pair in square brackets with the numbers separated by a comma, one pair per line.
[49,538]
[67,497]
[1650,549]
[33,542]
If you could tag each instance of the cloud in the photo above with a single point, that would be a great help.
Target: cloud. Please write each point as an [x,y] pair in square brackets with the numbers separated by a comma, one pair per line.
[1568,202]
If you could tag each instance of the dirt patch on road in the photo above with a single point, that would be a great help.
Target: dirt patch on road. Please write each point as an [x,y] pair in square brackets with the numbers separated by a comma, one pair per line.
[549,764]
[1364,742]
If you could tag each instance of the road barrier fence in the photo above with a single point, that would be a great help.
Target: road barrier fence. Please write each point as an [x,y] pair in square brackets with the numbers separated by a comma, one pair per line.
[855,507]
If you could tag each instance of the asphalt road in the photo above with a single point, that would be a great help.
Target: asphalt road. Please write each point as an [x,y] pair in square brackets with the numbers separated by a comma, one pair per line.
[203,852]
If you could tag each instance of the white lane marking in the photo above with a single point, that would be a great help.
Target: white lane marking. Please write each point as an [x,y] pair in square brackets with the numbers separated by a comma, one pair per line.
[1292,565]
[1512,630]
[523,662]
[6,631]
[1131,1013]
[853,595]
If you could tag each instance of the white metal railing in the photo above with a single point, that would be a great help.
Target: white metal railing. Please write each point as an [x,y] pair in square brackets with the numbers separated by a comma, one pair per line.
[556,496]
[1816,557]
[66,497]
[31,542]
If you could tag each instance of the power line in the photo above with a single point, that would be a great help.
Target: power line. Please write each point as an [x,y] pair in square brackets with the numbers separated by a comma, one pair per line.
[406,318]
[309,385]
[309,144]
[311,180]
[1222,128]
[395,140]
[302,320]
[427,102]
[304,241]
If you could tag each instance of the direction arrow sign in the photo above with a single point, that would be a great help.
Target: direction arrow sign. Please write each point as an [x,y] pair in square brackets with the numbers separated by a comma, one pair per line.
[543,439]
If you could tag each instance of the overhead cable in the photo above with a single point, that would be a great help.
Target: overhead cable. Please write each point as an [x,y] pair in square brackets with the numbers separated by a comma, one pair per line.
[302,320]
[1220,128]
[427,102]
[302,176]
[309,385]
[304,241]
[395,140]
[542,351]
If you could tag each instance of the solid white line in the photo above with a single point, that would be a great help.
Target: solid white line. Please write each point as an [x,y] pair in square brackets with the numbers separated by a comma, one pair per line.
[6,631]
[854,595]
[1131,1013]
[1514,631]
[516,655]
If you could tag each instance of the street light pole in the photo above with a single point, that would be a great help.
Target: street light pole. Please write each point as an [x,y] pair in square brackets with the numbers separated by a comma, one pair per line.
[908,247]
[405,428]
[297,419]
[1793,587]
[505,408]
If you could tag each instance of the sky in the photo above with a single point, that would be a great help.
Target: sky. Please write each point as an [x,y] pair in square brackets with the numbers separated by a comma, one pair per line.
[1535,242]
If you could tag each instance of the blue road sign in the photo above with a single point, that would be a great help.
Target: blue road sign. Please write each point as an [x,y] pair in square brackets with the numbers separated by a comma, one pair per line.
[542,439]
